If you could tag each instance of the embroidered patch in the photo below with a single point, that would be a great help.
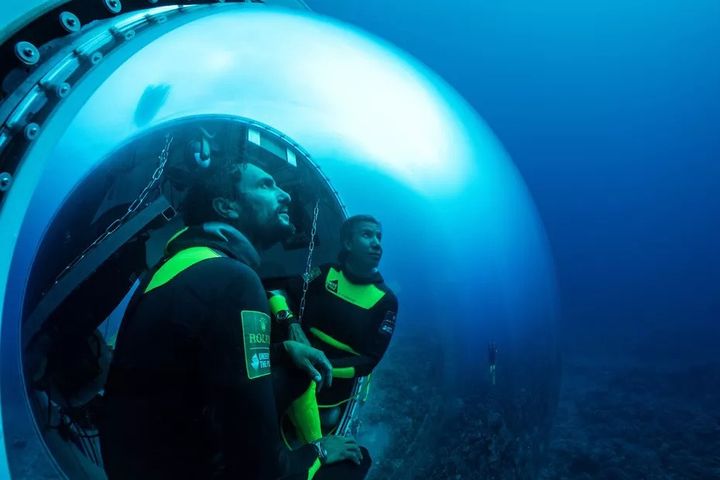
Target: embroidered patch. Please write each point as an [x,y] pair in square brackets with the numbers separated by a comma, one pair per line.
[388,324]
[256,339]
[332,285]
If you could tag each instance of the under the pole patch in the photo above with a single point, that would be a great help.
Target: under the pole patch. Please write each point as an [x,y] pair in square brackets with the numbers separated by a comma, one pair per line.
[256,338]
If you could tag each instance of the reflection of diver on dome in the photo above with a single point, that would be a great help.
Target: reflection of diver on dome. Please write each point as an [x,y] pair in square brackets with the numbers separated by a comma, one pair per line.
[349,314]
[190,390]
[492,358]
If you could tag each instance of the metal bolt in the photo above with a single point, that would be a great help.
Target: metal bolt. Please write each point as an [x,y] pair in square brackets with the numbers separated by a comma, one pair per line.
[27,53]
[31,131]
[114,6]
[69,21]
[62,90]
[5,181]
[95,57]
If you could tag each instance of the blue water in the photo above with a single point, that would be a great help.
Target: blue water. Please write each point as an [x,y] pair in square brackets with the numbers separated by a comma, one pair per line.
[610,109]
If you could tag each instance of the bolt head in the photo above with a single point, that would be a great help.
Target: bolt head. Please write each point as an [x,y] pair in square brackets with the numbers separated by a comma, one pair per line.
[27,53]
[69,21]
[113,5]
[31,131]
[62,89]
[5,181]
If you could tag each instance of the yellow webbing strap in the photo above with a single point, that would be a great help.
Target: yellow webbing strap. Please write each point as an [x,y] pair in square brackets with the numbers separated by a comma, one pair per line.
[182,260]
[341,402]
[343,372]
[361,394]
[366,388]
[314,468]
[303,413]
[364,296]
[324,337]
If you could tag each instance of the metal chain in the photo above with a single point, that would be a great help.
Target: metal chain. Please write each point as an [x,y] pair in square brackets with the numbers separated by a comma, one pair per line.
[308,264]
[163,158]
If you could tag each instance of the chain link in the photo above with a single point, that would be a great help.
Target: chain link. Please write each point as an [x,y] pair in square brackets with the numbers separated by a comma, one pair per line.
[308,264]
[137,203]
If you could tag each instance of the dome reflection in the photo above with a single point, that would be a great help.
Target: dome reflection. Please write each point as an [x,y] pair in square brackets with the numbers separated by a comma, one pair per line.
[470,382]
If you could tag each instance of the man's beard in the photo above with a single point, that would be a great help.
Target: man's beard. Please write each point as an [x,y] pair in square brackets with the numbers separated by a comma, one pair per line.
[276,232]
[264,233]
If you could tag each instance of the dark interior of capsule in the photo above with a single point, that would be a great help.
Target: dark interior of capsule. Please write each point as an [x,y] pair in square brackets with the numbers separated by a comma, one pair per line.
[109,230]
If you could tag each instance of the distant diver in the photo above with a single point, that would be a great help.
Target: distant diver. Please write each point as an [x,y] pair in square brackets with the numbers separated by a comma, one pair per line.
[150,103]
[350,314]
[190,393]
[492,359]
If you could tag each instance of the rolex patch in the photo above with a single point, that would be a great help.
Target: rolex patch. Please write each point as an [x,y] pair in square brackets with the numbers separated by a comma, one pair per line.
[256,340]
[388,324]
[332,285]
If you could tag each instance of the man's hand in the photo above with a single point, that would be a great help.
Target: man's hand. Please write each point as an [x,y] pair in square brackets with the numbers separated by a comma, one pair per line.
[341,448]
[312,361]
[295,332]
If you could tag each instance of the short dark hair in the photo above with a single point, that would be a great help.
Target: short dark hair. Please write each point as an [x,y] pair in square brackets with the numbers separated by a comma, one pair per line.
[346,231]
[216,162]
[219,180]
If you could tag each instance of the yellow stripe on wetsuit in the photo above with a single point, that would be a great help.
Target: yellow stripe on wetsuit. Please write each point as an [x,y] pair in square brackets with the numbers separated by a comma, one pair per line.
[340,372]
[182,260]
[363,296]
[324,337]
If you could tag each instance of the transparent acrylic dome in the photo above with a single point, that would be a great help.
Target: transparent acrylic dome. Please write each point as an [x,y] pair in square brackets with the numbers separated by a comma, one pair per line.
[464,249]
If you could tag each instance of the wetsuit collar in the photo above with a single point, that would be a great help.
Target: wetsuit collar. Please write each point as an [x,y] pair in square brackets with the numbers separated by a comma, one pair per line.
[375,277]
[219,236]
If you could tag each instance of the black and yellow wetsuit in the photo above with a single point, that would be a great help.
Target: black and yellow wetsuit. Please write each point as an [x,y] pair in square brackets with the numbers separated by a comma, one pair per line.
[190,391]
[351,319]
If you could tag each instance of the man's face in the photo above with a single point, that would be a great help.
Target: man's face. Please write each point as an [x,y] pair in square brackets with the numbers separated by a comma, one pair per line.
[263,207]
[364,246]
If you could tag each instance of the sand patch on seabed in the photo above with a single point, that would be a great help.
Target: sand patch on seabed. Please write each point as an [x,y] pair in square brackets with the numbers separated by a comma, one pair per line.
[376,438]
[628,422]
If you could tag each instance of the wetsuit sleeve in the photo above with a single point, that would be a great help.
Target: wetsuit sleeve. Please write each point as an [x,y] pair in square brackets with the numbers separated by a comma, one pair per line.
[235,363]
[280,301]
[291,287]
[376,342]
[284,293]
[284,296]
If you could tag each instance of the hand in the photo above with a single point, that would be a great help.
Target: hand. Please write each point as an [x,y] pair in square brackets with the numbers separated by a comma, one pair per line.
[296,333]
[341,448]
[312,361]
